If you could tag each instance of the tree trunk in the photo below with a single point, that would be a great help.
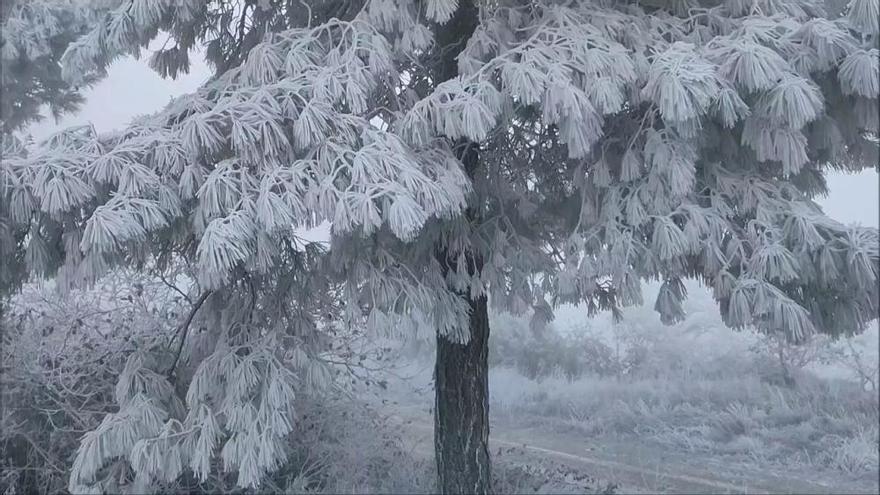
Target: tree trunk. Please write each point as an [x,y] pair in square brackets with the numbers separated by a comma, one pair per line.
[461,386]
[461,408]
[461,372]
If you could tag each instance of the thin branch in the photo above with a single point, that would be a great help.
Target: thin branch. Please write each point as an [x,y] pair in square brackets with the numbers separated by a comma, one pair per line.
[44,454]
[185,329]
[309,10]
[174,288]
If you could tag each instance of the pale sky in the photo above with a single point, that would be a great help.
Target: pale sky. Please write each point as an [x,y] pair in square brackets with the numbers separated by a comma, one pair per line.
[131,88]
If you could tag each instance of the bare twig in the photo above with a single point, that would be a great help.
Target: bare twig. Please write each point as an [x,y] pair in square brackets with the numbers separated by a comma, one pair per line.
[174,288]
[49,458]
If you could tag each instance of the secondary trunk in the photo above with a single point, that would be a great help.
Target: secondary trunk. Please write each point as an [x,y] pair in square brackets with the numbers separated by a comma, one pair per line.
[461,409]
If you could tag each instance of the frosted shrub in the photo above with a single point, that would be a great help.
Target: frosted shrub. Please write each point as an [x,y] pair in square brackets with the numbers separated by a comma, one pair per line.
[61,358]
[857,453]
[545,352]
[74,377]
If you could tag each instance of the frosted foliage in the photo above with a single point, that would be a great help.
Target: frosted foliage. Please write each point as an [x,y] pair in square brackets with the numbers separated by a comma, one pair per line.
[238,404]
[614,142]
[33,37]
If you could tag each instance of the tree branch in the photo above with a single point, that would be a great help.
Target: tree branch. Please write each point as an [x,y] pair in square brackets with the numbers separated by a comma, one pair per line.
[174,288]
[185,329]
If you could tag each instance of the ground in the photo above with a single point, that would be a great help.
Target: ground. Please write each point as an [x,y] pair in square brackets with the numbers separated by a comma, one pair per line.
[536,453]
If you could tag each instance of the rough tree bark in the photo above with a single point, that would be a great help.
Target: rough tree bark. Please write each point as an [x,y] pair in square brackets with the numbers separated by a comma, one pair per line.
[461,413]
[461,384]
[461,406]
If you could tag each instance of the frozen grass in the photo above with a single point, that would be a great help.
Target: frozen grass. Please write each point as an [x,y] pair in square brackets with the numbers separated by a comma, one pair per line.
[817,424]
[543,476]
[695,388]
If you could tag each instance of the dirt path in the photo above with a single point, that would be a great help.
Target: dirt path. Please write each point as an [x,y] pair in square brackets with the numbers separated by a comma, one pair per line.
[634,469]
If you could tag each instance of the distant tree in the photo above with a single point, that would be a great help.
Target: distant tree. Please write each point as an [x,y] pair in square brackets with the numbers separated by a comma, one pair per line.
[860,361]
[536,152]
[35,33]
[33,36]
[792,357]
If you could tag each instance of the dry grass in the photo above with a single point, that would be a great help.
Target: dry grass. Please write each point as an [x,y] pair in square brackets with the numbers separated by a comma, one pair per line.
[818,424]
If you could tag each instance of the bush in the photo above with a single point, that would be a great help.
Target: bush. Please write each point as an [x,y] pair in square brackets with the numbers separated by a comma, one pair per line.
[857,453]
[61,360]
[342,445]
[542,354]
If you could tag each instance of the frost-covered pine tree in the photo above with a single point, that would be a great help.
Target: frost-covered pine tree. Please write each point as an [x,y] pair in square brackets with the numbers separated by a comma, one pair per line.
[33,36]
[523,153]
